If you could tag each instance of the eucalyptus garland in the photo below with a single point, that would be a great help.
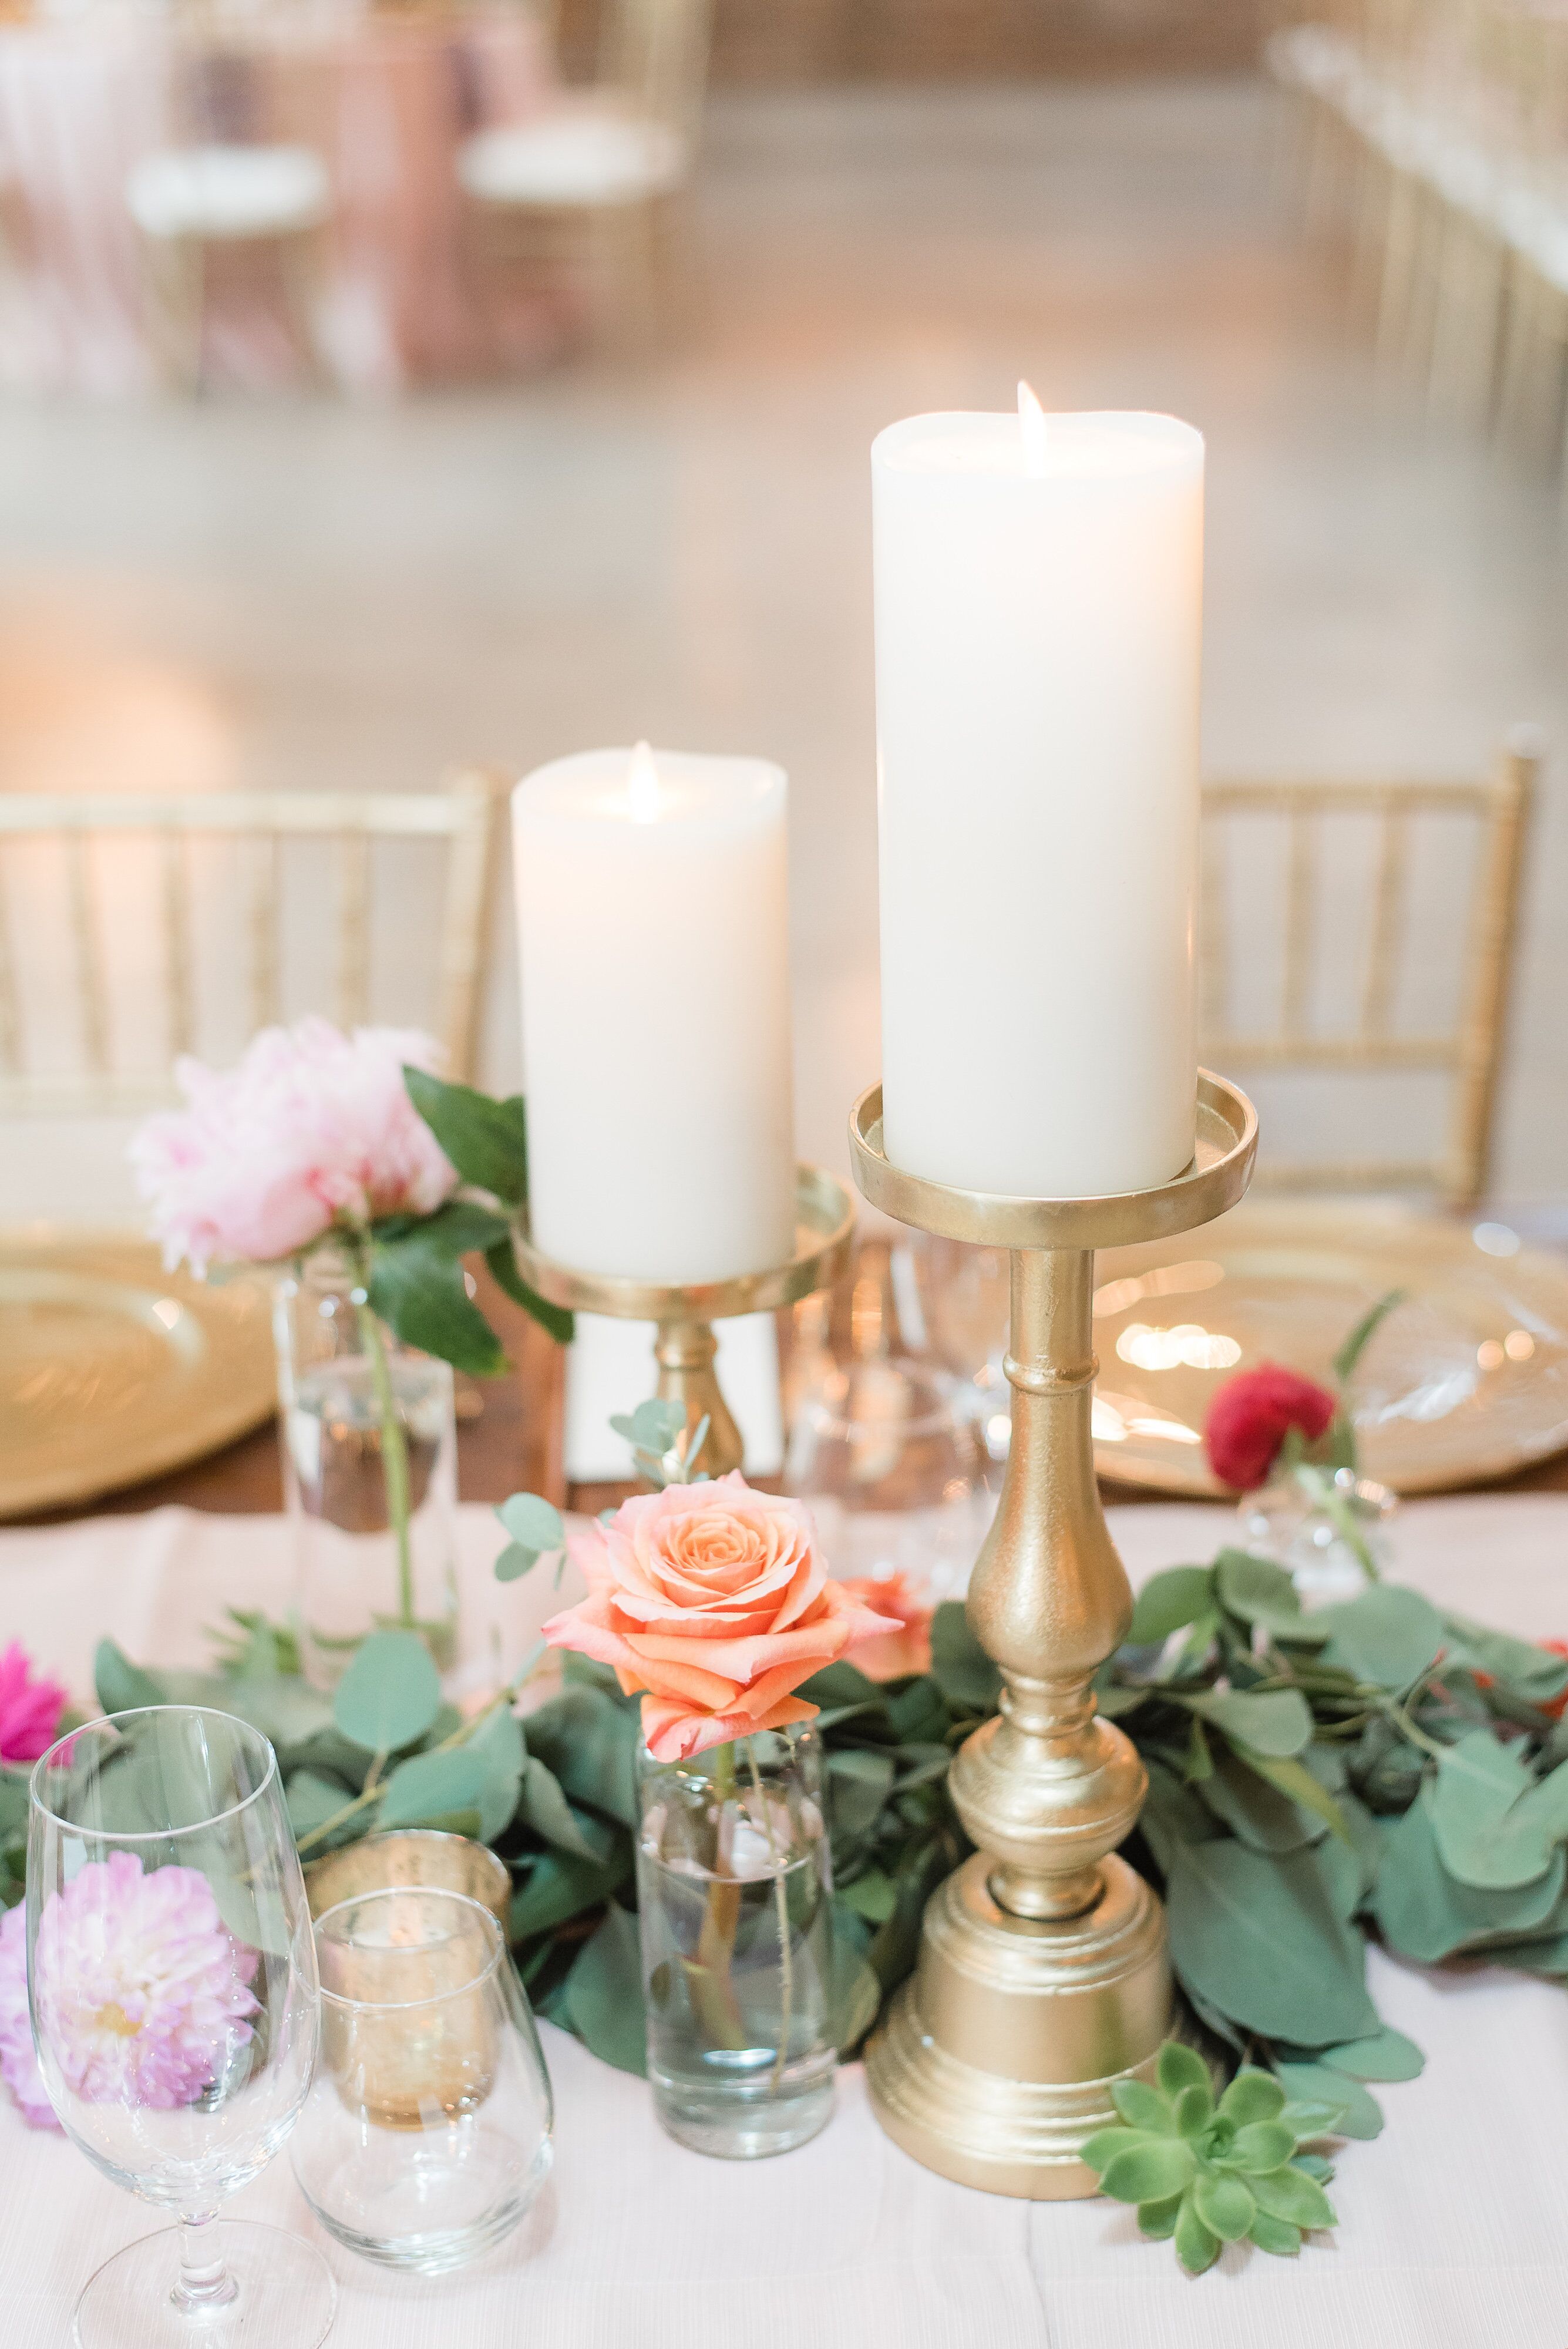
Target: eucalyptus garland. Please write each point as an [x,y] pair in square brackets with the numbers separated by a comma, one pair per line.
[1373,1768]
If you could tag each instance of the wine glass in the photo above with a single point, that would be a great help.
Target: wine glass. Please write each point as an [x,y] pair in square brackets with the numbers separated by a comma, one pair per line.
[171,1976]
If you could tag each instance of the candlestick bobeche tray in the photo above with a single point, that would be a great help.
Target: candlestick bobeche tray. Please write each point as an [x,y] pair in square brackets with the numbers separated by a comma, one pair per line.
[684,1312]
[1044,1976]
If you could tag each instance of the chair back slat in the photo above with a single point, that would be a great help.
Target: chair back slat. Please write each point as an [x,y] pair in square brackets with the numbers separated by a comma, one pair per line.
[460,819]
[1469,1049]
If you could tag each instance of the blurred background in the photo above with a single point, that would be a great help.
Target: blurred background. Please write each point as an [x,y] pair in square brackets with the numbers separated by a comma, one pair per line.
[397,388]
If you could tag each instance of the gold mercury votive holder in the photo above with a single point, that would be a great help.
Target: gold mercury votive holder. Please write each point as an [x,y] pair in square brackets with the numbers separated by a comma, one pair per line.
[1044,1975]
[407,2032]
[684,1312]
[411,1857]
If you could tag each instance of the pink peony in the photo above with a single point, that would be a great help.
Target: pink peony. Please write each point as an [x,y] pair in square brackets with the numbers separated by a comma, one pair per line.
[18,2057]
[29,1709]
[312,1127]
[716,1601]
[906,1646]
[141,1989]
[1250,1416]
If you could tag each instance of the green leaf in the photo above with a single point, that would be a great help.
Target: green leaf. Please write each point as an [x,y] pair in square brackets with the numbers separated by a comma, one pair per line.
[1197,2246]
[1386,2055]
[1313,2118]
[1260,1592]
[1494,1826]
[1315,2165]
[430,1789]
[1260,1937]
[1194,2109]
[960,1665]
[1529,1671]
[417,1286]
[122,1686]
[1225,2206]
[1157,2219]
[1262,2144]
[1288,2194]
[1356,1345]
[556,1319]
[1143,2108]
[312,1801]
[1178,2066]
[1148,2169]
[1360,2114]
[604,1994]
[1299,1785]
[1097,2151]
[1168,1602]
[1252,2095]
[859,1783]
[545,1808]
[1276,2235]
[1277,1723]
[559,1886]
[533,1523]
[390,1694]
[873,1896]
[588,1741]
[498,1742]
[486,1140]
[1427,1914]
[515,1562]
[1388,1636]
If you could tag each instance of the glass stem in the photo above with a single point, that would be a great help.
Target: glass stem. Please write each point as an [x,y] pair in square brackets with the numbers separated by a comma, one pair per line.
[204,2282]
[394,1450]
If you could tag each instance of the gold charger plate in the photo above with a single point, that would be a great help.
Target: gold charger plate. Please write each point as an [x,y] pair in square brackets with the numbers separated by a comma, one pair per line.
[1466,1381]
[112,1370]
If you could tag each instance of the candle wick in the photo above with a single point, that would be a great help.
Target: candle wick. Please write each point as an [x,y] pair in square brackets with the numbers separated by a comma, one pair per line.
[642,785]
[1033,426]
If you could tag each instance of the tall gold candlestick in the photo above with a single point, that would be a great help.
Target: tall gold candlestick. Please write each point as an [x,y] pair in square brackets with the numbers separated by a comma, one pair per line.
[1044,1976]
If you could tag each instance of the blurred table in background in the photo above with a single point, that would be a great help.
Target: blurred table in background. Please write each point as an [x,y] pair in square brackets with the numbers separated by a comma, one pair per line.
[384,100]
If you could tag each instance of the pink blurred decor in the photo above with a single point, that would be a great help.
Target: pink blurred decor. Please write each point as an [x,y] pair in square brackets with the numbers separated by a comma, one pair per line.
[385,103]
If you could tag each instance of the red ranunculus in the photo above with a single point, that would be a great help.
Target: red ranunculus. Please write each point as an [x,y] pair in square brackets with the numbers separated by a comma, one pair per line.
[1250,1416]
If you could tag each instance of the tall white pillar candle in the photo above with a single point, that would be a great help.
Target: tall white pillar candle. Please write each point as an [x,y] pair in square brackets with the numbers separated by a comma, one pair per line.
[652,917]
[1038,613]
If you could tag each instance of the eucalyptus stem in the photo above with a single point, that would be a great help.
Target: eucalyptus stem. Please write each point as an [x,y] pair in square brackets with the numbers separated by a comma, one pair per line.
[394,1447]
[781,1896]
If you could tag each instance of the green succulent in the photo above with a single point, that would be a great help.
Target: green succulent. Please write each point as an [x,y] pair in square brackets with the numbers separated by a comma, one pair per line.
[1208,2173]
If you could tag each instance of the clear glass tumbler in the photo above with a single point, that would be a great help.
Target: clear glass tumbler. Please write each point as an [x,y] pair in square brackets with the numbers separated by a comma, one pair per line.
[171,1977]
[427,2130]
[370,1471]
[735,1884]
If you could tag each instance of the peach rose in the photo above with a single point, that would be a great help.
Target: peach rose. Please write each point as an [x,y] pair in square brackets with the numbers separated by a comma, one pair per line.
[715,1602]
[906,1647]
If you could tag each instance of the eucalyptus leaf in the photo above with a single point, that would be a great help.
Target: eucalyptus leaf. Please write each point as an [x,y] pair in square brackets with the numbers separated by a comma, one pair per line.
[1168,1602]
[859,1783]
[1529,1671]
[604,1994]
[1262,1593]
[960,1665]
[544,1807]
[1260,1938]
[1389,1635]
[391,1692]
[588,1741]
[1277,1723]
[533,1523]
[559,1886]
[513,1562]
[1426,1913]
[1386,2055]
[1359,2114]
[122,1686]
[1495,1826]
[430,1789]
[312,1801]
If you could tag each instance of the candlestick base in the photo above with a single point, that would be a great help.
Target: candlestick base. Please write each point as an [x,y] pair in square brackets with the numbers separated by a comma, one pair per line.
[1044,1976]
[684,1312]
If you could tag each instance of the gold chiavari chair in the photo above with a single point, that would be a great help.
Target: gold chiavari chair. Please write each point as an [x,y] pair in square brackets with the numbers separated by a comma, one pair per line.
[460,819]
[592,190]
[1468,1051]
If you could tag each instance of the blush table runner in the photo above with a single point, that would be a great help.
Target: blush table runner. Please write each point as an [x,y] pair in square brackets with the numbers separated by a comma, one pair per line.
[1454,2231]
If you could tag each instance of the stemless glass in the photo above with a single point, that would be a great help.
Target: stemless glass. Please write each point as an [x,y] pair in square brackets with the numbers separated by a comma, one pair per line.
[427,2131]
[171,1978]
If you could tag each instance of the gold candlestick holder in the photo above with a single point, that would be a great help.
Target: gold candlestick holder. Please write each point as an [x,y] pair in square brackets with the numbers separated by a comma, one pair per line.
[684,1312]
[1044,1976]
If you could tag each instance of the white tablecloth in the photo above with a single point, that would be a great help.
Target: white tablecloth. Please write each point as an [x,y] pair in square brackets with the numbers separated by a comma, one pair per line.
[1454,2229]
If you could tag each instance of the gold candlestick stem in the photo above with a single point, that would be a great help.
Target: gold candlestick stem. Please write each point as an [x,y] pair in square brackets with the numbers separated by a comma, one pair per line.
[684,1312]
[1044,1976]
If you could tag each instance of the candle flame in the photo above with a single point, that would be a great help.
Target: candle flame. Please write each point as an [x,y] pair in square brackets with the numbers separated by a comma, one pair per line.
[1032,423]
[643,786]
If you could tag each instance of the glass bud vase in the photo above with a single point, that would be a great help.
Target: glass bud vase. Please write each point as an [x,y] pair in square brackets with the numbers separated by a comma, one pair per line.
[1327,1527]
[734,1893]
[370,1456]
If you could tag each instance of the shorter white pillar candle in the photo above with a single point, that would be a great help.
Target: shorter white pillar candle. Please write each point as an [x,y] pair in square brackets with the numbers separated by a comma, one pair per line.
[653,928]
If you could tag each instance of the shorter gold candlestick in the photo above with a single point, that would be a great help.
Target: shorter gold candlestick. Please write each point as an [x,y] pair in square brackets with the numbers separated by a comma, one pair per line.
[1044,1976]
[684,1312]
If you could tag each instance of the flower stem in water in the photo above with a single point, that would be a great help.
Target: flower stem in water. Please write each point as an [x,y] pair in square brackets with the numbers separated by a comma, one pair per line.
[394,1450]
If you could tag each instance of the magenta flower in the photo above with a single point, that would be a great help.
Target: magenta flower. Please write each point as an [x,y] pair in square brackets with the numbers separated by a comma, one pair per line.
[18,2057]
[141,1989]
[312,1128]
[29,1709]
